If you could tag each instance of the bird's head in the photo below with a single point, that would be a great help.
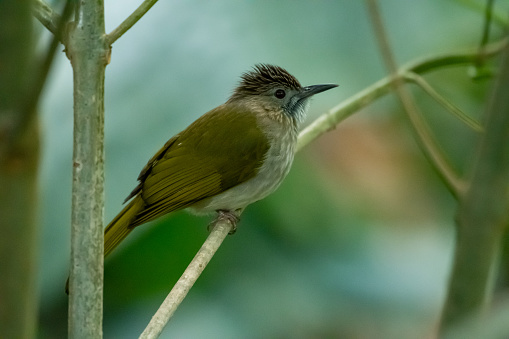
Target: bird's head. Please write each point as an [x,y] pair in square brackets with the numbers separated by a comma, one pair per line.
[272,89]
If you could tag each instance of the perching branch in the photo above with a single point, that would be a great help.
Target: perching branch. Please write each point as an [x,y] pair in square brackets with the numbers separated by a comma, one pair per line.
[130,21]
[222,226]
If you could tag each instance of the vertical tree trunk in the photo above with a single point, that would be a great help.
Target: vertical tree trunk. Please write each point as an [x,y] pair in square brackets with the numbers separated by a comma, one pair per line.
[89,55]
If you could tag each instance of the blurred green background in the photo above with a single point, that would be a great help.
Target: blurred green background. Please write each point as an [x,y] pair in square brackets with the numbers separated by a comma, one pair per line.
[357,241]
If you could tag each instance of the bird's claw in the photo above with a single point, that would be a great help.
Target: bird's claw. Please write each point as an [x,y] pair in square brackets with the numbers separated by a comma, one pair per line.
[230,216]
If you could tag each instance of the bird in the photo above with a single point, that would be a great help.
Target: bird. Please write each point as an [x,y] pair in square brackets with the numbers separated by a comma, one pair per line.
[229,158]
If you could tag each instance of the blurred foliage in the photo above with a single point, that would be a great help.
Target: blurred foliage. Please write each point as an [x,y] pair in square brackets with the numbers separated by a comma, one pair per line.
[356,243]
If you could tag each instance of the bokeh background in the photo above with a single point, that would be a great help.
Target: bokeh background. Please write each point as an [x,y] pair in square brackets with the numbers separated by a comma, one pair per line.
[356,243]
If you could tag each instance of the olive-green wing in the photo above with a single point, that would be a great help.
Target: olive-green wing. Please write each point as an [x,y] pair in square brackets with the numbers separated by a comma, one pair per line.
[148,167]
[223,148]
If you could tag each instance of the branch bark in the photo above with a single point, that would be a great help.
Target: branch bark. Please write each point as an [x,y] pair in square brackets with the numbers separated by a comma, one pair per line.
[89,55]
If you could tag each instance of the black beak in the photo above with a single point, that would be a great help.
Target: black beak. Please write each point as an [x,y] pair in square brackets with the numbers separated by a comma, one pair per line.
[312,90]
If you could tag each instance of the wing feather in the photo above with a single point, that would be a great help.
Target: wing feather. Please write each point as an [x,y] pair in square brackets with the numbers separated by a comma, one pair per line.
[223,148]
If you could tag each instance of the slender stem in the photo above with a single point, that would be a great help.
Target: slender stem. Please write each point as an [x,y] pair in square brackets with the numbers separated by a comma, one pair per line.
[46,15]
[424,136]
[480,69]
[458,113]
[130,21]
[89,54]
[487,23]
[222,227]
[498,17]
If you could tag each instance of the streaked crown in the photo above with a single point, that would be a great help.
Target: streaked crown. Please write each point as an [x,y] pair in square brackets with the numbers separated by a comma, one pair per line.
[264,77]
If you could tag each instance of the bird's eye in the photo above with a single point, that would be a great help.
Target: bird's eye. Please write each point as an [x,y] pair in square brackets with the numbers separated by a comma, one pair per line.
[280,94]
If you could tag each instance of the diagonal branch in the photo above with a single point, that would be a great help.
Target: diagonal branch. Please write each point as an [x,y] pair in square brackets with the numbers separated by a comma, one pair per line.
[46,15]
[222,226]
[41,75]
[130,21]
[424,136]
[449,106]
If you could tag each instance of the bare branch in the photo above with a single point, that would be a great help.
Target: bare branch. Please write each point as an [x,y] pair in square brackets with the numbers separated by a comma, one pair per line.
[449,106]
[424,136]
[130,21]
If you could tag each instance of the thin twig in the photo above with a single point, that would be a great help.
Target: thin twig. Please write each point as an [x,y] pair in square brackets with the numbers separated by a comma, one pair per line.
[46,15]
[130,21]
[449,106]
[423,133]
[222,227]
[487,23]
[498,17]
[480,69]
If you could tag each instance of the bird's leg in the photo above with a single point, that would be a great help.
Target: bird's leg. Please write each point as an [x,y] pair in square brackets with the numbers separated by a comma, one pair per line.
[232,216]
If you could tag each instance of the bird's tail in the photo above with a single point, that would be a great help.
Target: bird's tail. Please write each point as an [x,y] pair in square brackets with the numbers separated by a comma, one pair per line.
[120,226]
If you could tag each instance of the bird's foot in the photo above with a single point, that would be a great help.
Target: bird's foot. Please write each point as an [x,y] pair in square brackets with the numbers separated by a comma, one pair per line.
[231,216]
